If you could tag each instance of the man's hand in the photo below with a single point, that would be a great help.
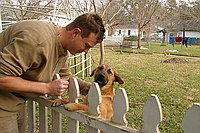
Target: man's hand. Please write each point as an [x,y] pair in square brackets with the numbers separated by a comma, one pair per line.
[57,87]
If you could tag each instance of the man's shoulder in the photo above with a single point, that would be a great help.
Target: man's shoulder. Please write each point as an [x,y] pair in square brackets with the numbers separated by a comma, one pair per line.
[39,31]
[32,24]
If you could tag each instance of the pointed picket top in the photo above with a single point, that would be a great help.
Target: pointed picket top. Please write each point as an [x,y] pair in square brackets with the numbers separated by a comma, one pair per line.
[191,121]
[152,115]
[74,93]
[120,107]
[73,89]
[94,99]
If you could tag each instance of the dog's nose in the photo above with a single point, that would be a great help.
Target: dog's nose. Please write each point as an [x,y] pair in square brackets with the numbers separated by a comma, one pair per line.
[101,79]
[101,76]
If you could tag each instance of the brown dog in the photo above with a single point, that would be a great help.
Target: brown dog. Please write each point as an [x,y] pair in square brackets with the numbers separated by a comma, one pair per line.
[105,76]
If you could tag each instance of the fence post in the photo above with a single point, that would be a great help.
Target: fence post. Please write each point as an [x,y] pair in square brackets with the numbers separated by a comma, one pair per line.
[43,119]
[152,115]
[90,63]
[94,100]
[191,121]
[75,68]
[83,65]
[31,116]
[73,125]
[57,117]
[56,122]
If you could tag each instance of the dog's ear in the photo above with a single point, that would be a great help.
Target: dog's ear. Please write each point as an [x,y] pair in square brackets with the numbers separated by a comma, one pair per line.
[92,73]
[118,78]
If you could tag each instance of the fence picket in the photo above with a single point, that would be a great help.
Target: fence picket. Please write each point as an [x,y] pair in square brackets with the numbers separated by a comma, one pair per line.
[120,100]
[43,119]
[94,100]
[31,116]
[57,122]
[191,121]
[152,115]
[73,89]
[73,125]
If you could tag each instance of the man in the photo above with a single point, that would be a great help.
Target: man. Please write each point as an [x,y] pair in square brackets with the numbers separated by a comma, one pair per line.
[31,53]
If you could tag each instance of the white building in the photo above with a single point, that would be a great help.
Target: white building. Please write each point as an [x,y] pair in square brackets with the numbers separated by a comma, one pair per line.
[189,33]
[127,30]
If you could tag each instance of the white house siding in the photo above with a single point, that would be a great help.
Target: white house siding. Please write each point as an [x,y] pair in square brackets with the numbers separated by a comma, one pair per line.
[125,32]
[195,34]
[192,34]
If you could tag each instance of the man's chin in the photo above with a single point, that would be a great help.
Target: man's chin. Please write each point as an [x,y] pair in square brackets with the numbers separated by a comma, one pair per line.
[74,53]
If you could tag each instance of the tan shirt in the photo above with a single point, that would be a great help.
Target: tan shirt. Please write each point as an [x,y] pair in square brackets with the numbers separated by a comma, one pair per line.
[31,50]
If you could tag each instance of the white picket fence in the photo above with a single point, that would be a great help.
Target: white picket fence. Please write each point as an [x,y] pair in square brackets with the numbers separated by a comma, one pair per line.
[90,118]
[152,114]
[152,111]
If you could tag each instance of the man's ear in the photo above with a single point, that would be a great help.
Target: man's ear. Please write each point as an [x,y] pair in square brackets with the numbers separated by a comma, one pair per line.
[76,32]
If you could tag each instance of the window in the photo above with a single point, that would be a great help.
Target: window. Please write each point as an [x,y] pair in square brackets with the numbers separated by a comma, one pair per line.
[120,31]
[129,32]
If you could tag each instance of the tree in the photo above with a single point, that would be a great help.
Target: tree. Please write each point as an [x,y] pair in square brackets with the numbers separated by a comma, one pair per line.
[23,10]
[141,13]
[111,11]
[112,14]
[189,14]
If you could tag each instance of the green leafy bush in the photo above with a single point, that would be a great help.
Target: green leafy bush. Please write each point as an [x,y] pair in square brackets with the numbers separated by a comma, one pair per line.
[131,38]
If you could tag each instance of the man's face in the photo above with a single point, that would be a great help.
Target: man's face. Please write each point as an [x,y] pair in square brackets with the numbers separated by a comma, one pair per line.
[79,44]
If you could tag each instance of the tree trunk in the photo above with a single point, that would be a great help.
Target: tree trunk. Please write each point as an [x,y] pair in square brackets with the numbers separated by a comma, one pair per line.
[139,36]
[102,53]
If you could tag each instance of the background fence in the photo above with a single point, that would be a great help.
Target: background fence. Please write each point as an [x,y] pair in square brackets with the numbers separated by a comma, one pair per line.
[81,64]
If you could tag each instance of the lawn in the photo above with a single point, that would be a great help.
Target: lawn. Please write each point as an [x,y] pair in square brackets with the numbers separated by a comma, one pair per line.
[182,50]
[177,85]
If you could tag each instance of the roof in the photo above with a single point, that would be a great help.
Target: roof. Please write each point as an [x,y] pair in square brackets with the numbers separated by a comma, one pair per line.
[127,26]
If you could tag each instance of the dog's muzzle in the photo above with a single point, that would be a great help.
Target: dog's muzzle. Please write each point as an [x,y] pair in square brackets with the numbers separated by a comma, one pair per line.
[101,79]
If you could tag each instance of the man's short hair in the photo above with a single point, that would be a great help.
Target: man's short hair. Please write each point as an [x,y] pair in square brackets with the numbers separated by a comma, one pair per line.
[89,23]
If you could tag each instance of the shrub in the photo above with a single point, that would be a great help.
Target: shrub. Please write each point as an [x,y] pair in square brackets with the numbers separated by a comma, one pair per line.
[131,38]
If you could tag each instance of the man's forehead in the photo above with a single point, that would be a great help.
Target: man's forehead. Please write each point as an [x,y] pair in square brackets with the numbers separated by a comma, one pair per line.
[92,38]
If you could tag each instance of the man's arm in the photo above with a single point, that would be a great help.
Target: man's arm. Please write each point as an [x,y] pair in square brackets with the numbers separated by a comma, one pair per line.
[19,85]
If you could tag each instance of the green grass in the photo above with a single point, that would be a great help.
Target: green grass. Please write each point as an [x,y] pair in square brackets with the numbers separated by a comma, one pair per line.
[176,85]
[157,48]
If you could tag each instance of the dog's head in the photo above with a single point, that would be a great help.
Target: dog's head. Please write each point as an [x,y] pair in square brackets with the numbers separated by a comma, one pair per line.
[105,75]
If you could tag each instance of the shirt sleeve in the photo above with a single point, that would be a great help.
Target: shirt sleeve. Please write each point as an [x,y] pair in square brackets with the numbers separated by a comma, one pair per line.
[17,57]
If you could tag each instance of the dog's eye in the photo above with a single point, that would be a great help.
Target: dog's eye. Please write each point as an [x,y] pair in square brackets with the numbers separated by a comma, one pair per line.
[109,71]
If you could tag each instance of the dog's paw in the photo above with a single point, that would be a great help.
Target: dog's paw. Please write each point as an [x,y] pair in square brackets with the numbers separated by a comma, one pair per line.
[58,102]
[70,106]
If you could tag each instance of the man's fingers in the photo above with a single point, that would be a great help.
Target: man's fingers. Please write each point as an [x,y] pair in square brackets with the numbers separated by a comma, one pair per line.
[64,81]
